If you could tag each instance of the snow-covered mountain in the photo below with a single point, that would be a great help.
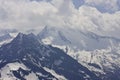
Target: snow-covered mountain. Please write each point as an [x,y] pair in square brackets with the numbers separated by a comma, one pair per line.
[76,39]
[26,58]
[98,53]
[47,56]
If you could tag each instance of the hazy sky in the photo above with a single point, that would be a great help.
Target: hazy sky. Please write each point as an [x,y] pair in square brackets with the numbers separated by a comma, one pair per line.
[100,16]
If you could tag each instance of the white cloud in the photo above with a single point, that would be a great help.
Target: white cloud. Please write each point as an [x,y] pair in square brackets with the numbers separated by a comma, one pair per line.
[90,19]
[25,14]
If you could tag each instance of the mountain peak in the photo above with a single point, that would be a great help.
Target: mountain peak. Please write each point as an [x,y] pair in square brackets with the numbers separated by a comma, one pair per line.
[20,43]
[18,38]
[22,36]
[25,40]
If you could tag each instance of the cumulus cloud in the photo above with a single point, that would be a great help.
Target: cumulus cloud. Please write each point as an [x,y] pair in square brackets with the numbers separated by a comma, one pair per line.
[32,14]
[25,14]
[90,19]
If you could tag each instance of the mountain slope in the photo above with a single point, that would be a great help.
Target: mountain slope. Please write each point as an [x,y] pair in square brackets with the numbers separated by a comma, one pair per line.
[99,54]
[39,60]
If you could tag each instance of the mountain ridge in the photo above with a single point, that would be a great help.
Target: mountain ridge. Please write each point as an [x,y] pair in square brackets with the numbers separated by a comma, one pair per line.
[35,56]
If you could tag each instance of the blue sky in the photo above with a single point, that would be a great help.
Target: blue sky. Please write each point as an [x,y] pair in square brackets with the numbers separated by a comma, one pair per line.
[102,6]
[78,3]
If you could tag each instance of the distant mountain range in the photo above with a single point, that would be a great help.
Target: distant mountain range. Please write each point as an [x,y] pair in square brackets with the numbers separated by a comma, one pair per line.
[77,39]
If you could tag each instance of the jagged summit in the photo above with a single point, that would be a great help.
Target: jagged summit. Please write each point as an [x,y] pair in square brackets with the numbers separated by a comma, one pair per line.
[22,36]
[25,39]
[20,46]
